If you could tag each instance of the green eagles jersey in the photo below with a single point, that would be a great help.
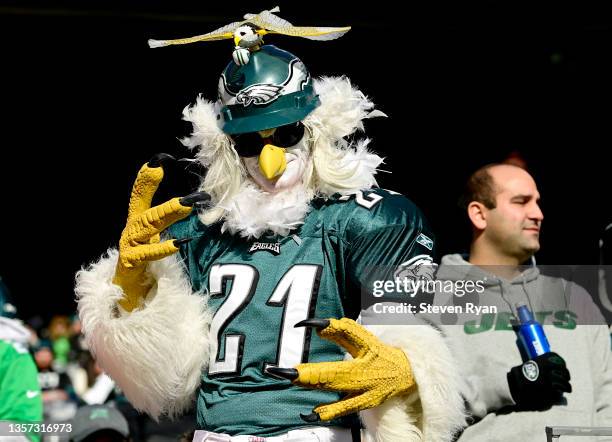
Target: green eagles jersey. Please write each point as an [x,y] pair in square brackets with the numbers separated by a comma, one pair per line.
[261,288]
[20,396]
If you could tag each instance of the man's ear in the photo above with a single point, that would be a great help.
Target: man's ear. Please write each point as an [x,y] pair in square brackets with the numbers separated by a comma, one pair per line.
[477,212]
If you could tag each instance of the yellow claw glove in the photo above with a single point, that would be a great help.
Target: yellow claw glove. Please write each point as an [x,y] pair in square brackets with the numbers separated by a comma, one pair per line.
[140,240]
[376,373]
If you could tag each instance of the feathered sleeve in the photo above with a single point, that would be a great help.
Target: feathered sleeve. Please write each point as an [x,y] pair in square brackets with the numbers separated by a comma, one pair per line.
[155,354]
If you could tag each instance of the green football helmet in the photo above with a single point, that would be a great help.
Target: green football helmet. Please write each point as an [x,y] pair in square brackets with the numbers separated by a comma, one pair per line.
[272,89]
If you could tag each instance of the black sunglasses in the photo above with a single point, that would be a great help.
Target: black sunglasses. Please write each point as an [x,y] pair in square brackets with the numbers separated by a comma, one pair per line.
[251,143]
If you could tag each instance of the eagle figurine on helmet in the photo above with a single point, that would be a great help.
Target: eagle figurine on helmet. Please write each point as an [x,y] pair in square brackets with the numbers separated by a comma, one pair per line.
[243,295]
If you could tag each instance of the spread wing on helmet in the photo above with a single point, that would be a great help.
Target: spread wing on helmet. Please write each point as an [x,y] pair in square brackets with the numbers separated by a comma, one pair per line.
[224,33]
[269,24]
[276,25]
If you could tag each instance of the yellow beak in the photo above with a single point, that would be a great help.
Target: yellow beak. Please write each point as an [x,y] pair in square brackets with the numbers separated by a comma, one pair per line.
[237,40]
[272,162]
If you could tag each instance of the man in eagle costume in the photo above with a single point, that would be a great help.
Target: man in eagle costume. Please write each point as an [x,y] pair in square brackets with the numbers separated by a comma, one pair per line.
[243,304]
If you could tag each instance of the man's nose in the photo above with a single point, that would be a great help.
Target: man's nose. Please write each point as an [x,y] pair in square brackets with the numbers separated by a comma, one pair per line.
[535,213]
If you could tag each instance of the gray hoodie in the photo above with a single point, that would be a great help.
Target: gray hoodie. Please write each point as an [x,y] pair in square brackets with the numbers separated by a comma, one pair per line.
[486,348]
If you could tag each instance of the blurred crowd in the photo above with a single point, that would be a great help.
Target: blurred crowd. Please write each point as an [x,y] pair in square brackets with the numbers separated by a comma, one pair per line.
[68,374]
[71,383]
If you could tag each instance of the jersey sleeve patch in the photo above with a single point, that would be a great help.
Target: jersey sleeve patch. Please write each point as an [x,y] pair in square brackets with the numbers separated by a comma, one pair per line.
[425,241]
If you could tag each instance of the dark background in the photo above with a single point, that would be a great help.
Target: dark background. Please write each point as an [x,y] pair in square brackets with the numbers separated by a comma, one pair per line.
[86,102]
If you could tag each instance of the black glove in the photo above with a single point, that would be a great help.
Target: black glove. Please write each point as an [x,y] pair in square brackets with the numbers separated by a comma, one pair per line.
[539,383]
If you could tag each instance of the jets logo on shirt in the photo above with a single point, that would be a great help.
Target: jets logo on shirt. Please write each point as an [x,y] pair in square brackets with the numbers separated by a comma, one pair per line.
[272,247]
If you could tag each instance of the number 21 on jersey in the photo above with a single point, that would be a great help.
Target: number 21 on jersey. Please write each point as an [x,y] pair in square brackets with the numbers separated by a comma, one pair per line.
[296,293]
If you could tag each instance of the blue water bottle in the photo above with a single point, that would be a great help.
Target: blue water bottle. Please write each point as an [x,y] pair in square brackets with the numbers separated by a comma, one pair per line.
[531,333]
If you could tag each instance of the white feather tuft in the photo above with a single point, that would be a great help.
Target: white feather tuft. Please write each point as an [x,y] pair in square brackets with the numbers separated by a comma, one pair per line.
[341,166]
[345,169]
[207,136]
[343,108]
[155,354]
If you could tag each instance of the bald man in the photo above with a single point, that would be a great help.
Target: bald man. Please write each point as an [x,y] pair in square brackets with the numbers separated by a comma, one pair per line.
[505,216]
[508,395]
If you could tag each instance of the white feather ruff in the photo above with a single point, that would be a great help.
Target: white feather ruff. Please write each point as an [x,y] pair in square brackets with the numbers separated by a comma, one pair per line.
[155,354]
[434,413]
[253,212]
